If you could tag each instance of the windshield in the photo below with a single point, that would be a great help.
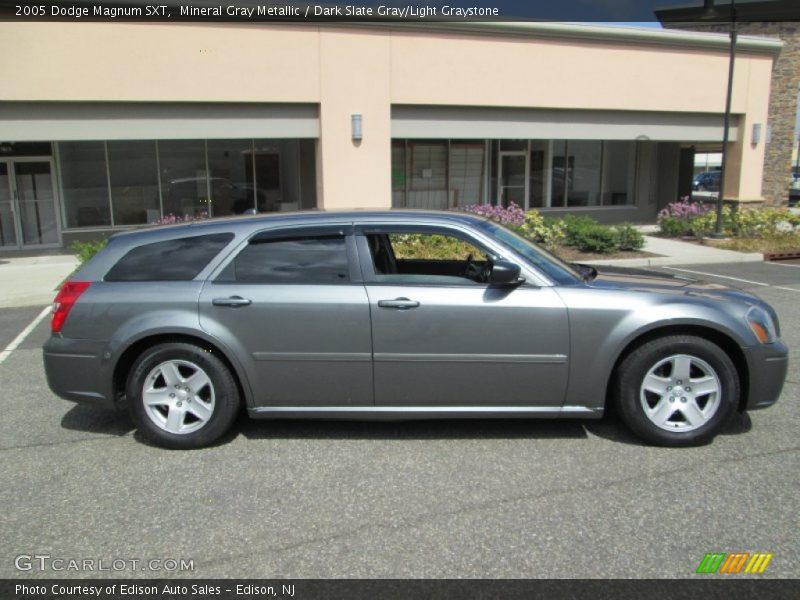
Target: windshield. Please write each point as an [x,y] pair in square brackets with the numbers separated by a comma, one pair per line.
[551,265]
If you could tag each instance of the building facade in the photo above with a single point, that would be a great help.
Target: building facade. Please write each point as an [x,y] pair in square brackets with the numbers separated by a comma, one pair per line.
[783,107]
[107,126]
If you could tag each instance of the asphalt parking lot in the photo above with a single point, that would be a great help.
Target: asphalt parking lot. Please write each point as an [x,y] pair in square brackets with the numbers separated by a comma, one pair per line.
[420,499]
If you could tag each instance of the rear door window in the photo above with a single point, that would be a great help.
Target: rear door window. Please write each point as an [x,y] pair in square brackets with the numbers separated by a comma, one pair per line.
[302,259]
[180,259]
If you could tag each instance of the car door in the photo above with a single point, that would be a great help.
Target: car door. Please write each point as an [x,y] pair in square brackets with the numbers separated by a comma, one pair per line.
[292,306]
[442,340]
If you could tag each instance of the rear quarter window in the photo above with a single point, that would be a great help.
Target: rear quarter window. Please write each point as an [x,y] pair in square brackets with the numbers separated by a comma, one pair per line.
[313,259]
[180,259]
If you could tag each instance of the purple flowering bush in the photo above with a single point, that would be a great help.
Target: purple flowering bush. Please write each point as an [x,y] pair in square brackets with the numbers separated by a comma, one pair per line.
[513,215]
[171,219]
[679,218]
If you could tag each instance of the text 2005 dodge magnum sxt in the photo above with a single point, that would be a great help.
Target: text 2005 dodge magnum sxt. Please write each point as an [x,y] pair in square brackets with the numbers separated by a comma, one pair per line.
[398,315]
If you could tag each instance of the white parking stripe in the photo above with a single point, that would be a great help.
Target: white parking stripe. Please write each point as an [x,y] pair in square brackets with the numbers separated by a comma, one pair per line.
[721,276]
[780,264]
[23,334]
[760,283]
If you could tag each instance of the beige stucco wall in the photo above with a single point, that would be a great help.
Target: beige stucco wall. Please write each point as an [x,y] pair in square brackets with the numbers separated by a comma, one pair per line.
[360,70]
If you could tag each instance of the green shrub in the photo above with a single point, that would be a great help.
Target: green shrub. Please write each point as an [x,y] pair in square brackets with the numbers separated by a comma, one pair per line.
[764,222]
[628,237]
[705,225]
[575,228]
[675,226]
[595,238]
[422,246]
[85,251]
[548,232]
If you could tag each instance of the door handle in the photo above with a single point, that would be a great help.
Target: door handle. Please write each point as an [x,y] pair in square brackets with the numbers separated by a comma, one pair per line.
[233,301]
[399,303]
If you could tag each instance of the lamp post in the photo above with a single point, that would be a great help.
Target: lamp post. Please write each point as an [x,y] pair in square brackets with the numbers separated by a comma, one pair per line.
[707,13]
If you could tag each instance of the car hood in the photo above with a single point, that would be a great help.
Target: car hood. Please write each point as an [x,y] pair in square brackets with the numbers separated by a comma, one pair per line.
[644,280]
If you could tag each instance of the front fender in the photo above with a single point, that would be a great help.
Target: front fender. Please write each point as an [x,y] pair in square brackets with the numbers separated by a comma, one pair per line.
[600,332]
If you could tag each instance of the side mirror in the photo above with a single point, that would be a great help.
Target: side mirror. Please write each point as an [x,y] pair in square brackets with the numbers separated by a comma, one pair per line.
[504,272]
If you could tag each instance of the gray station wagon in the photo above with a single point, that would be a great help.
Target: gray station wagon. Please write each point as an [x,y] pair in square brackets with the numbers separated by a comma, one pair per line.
[398,315]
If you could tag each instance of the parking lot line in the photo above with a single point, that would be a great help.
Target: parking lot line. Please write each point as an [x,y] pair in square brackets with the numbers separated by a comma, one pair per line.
[720,276]
[780,264]
[750,281]
[23,334]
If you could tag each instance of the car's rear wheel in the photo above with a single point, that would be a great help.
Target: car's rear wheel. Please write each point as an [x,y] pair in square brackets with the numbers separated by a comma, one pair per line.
[181,395]
[677,390]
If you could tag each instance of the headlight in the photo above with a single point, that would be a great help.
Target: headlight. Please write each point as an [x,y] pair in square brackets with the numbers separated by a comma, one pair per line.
[762,325]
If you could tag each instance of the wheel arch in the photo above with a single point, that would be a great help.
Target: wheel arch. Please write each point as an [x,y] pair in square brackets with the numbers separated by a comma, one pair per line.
[724,341]
[134,350]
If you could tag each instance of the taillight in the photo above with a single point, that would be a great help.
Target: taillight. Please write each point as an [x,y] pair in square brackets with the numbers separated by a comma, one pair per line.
[65,299]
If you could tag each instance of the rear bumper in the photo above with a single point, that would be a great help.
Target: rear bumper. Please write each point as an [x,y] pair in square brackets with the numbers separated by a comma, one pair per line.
[76,371]
[767,365]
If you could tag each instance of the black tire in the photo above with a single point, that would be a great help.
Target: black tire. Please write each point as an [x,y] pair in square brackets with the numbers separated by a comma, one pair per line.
[222,384]
[630,378]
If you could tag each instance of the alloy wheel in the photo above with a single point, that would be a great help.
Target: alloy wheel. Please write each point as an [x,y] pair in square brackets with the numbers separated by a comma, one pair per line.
[178,396]
[680,393]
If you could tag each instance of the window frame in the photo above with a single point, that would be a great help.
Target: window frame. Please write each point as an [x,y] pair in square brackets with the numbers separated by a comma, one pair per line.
[288,232]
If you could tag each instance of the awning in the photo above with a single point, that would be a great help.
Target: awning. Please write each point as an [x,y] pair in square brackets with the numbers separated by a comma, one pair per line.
[57,121]
[459,122]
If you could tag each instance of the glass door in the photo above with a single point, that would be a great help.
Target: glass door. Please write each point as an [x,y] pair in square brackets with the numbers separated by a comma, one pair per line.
[27,204]
[512,183]
[8,222]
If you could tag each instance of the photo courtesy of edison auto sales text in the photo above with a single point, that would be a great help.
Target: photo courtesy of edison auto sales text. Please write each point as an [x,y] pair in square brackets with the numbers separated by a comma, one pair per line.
[61,590]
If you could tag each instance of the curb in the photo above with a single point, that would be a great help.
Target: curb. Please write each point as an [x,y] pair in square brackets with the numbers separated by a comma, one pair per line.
[661,261]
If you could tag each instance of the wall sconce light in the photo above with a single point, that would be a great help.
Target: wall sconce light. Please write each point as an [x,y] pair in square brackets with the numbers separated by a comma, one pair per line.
[755,136]
[356,128]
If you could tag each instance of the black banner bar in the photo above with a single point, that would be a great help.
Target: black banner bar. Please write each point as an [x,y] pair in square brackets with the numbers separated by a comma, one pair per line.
[727,588]
[641,11]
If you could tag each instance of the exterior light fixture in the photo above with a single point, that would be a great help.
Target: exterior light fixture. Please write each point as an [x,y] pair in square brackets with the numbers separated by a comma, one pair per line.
[356,128]
[755,136]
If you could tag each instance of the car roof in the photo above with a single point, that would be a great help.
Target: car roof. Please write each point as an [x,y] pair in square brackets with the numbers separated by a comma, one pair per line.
[247,223]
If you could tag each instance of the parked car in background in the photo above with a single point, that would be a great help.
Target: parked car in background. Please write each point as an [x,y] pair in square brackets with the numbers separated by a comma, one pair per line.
[708,181]
[398,315]
[794,190]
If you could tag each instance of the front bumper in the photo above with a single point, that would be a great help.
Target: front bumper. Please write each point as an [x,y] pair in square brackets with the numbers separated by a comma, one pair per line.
[76,371]
[767,365]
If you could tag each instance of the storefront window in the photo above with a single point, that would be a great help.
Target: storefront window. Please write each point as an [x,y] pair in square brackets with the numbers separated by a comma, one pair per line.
[466,172]
[134,182]
[84,184]
[427,175]
[618,173]
[230,165]
[398,173]
[184,181]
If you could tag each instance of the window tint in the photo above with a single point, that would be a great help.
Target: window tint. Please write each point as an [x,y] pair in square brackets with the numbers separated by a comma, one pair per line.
[302,259]
[173,260]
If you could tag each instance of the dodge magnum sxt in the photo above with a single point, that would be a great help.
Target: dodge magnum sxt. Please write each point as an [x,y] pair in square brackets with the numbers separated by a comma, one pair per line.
[398,315]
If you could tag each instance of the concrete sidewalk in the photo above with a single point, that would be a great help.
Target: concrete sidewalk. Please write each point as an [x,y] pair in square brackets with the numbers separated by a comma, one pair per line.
[32,280]
[674,252]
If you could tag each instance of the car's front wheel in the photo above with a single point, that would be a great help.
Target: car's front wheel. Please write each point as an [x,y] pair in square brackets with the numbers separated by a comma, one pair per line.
[677,390]
[181,395]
